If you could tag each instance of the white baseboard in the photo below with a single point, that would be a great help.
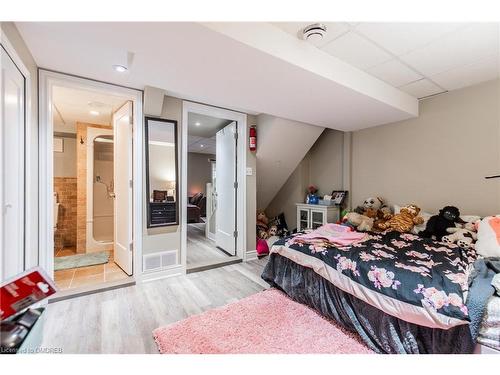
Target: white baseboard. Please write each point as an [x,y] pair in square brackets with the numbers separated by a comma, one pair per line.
[251,255]
[163,274]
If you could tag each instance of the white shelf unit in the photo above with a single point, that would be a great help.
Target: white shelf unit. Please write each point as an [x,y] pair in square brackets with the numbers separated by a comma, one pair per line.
[312,216]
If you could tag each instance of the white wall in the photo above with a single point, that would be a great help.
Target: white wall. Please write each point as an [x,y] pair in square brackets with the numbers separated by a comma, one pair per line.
[322,166]
[65,162]
[251,191]
[165,238]
[281,145]
[439,158]
[292,192]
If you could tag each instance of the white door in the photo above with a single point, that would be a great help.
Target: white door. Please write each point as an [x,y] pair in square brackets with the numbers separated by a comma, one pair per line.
[122,129]
[12,116]
[225,171]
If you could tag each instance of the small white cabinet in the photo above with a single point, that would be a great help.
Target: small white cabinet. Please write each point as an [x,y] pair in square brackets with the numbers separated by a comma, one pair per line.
[312,216]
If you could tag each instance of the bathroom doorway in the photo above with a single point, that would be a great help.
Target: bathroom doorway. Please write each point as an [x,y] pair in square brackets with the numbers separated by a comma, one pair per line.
[85,167]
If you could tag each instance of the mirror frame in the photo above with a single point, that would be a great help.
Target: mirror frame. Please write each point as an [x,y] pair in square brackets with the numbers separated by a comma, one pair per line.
[146,149]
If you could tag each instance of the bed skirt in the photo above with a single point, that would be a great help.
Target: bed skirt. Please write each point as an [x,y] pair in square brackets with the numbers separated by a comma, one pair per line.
[382,332]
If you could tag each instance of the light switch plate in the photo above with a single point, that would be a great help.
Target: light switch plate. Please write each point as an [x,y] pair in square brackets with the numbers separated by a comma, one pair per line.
[249,171]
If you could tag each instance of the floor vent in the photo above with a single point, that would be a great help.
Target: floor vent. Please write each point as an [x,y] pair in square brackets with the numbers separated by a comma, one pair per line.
[159,261]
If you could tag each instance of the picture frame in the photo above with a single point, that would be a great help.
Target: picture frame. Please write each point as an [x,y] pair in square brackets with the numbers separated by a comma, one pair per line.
[338,197]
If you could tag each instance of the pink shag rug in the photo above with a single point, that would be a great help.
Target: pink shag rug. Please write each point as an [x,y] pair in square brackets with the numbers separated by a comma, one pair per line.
[266,322]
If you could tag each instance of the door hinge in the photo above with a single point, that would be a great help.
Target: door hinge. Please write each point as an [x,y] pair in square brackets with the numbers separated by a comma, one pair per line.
[235,184]
[235,234]
[131,183]
[131,246]
[236,135]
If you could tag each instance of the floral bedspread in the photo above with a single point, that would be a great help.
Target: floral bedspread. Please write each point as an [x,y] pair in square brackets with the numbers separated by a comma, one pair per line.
[405,267]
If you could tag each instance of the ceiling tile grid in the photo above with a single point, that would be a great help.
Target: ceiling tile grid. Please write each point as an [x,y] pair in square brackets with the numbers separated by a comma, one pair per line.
[356,50]
[421,59]
[201,145]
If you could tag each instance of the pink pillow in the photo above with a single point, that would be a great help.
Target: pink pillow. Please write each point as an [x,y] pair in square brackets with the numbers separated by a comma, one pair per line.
[262,247]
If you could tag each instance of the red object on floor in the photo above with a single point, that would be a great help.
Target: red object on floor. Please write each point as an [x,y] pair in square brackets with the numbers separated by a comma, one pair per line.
[264,323]
[262,247]
[23,290]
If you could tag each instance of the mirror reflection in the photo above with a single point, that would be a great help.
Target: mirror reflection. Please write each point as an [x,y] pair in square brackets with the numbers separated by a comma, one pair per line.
[161,169]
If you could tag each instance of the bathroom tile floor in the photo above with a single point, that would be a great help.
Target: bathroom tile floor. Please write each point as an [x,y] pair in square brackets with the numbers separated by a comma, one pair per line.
[85,276]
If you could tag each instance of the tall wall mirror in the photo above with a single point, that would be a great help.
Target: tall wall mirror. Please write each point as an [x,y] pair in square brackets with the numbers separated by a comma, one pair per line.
[162,193]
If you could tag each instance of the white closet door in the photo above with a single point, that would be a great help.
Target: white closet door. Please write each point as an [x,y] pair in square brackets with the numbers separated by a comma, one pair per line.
[225,170]
[12,114]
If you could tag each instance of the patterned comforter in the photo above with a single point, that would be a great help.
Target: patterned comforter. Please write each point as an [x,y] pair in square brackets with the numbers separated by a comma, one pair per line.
[414,279]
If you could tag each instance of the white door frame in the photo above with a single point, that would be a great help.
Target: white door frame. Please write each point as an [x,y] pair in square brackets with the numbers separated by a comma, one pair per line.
[30,230]
[46,81]
[241,217]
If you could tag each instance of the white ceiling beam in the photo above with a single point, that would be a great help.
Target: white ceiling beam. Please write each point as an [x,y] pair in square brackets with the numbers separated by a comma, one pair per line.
[274,41]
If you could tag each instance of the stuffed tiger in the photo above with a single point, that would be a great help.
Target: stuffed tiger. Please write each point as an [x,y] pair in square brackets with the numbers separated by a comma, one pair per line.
[404,221]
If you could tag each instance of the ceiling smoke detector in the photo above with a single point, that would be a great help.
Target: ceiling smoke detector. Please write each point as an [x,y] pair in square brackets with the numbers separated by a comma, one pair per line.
[314,33]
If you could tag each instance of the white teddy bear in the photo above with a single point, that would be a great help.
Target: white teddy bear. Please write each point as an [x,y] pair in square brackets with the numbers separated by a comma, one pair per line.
[463,234]
[463,237]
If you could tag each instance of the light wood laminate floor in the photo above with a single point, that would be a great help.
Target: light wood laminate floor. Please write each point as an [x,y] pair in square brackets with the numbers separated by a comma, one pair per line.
[122,320]
[201,250]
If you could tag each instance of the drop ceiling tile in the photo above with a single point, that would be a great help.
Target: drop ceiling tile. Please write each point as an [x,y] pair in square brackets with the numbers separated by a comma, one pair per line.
[333,30]
[193,139]
[480,71]
[421,88]
[459,48]
[394,72]
[400,38]
[356,50]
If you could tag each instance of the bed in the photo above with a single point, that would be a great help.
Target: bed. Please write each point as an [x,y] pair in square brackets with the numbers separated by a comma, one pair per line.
[489,333]
[400,292]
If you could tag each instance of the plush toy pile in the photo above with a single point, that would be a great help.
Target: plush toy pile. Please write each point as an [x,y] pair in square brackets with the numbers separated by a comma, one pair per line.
[368,216]
[270,228]
[447,226]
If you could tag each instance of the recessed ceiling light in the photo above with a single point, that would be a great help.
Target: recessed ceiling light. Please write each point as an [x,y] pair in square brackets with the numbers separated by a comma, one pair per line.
[94,113]
[197,123]
[202,146]
[120,68]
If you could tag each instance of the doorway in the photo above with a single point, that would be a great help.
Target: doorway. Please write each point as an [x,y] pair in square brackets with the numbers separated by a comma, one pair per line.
[90,137]
[211,207]
[86,177]
[214,187]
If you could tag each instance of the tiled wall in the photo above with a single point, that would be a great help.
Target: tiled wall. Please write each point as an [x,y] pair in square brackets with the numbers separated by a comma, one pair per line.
[65,235]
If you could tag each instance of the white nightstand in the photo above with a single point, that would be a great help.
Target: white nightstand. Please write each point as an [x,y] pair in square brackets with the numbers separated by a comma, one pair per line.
[312,216]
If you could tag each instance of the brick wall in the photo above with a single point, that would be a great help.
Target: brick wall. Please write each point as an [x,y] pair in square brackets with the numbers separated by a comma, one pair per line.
[65,235]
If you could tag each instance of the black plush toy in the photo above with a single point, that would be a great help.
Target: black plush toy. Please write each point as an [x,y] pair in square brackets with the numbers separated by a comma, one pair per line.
[437,224]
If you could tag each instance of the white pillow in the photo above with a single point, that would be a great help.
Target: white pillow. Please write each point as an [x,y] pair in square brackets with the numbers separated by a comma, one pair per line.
[488,237]
[417,228]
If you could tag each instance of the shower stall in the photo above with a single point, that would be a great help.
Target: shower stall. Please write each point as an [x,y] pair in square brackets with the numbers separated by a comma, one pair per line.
[100,189]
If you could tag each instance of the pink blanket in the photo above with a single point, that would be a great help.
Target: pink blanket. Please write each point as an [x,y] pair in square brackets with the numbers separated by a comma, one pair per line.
[333,233]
